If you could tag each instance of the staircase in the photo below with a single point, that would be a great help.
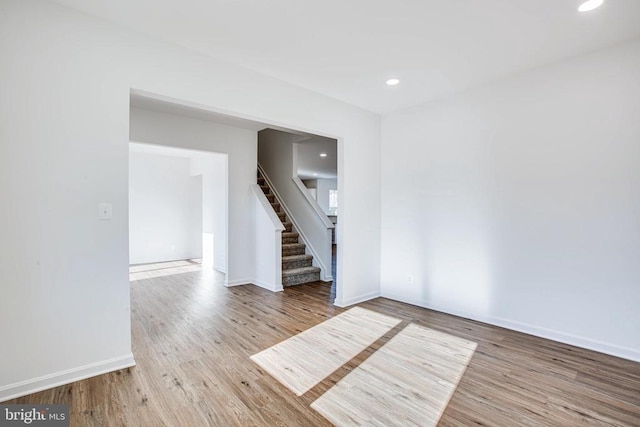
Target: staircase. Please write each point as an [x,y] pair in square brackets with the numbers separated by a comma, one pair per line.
[297,266]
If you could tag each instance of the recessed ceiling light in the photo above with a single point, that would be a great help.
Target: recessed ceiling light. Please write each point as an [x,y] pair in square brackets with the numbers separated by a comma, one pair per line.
[323,154]
[590,5]
[393,82]
[315,174]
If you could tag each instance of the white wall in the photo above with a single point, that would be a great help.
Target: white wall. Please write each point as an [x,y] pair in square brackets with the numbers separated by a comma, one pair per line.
[65,80]
[240,145]
[323,186]
[213,168]
[219,193]
[165,209]
[268,243]
[519,204]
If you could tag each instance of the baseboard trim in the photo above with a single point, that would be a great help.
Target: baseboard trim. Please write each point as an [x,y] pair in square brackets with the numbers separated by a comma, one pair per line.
[570,339]
[268,286]
[238,282]
[525,328]
[258,283]
[356,300]
[68,376]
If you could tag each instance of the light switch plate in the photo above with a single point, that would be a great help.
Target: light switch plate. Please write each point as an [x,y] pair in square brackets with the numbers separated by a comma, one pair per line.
[105,211]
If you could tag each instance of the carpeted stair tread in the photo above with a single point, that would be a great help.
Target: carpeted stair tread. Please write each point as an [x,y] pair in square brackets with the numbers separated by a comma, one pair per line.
[296,257]
[289,249]
[302,270]
[291,245]
[296,261]
[298,276]
[290,237]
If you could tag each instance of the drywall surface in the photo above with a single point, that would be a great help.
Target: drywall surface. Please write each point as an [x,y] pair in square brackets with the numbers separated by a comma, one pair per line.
[219,195]
[268,244]
[323,186]
[519,203]
[165,209]
[213,168]
[66,80]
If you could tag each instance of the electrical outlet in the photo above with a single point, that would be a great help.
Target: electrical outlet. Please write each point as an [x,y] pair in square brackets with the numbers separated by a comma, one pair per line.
[105,211]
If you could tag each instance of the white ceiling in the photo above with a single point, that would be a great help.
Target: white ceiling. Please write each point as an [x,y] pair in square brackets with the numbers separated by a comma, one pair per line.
[346,49]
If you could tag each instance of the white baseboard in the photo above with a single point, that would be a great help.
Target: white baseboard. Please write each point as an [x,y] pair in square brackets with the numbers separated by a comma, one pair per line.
[238,282]
[268,286]
[45,382]
[565,338]
[558,336]
[259,283]
[356,300]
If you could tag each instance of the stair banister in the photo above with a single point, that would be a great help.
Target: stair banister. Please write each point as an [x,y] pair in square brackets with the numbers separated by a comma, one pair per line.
[314,204]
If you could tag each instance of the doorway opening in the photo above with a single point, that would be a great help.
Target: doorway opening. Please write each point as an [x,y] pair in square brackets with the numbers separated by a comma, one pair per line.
[177,210]
[184,125]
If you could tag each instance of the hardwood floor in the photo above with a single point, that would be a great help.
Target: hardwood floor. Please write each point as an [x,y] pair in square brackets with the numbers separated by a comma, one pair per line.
[304,360]
[192,339]
[407,382]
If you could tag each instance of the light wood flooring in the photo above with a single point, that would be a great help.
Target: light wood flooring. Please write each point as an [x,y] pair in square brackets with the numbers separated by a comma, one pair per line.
[193,338]
[304,360]
[406,383]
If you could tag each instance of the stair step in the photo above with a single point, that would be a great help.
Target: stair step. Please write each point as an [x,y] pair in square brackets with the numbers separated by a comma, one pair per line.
[298,276]
[296,261]
[271,198]
[265,189]
[276,206]
[261,181]
[282,216]
[292,249]
[287,226]
[289,237]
